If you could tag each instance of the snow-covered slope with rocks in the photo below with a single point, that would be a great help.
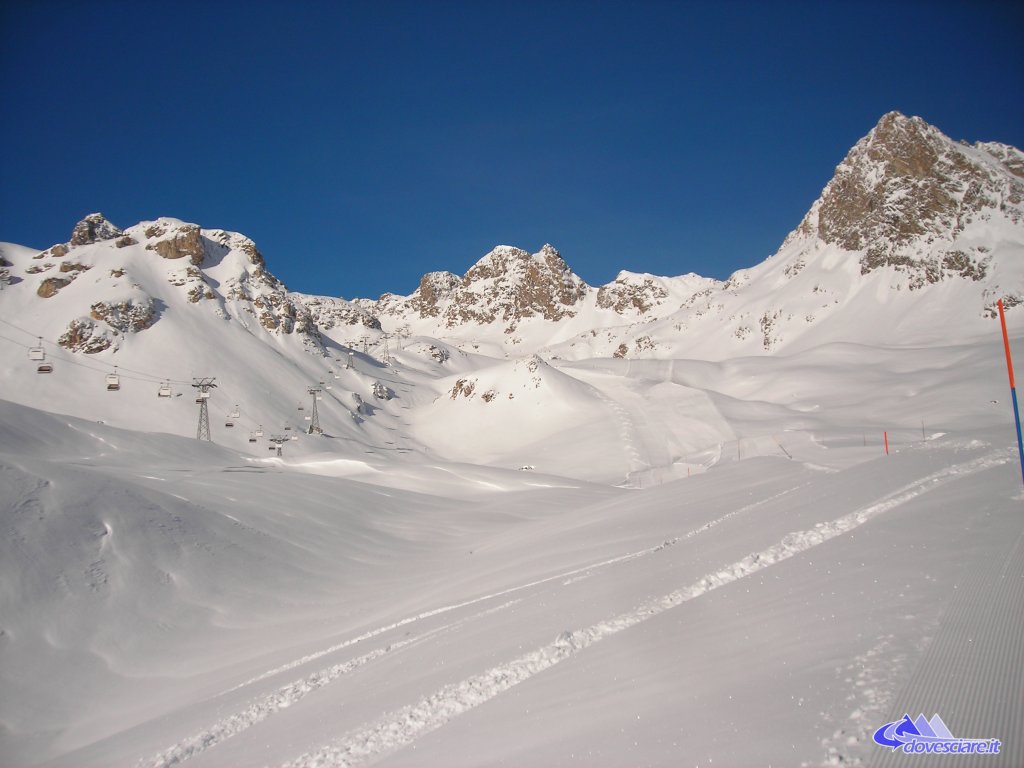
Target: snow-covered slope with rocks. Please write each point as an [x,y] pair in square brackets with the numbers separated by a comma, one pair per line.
[912,241]
[668,520]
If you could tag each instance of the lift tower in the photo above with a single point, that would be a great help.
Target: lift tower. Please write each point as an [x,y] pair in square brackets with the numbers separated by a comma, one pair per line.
[279,440]
[203,387]
[314,424]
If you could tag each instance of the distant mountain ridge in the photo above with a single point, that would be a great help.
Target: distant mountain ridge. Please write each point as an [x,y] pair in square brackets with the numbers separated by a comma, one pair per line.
[907,210]
[909,245]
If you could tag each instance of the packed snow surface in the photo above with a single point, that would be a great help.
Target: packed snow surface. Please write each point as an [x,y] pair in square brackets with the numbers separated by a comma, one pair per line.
[649,562]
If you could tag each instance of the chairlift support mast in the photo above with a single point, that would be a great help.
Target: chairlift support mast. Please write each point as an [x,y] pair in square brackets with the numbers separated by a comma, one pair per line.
[203,387]
[314,424]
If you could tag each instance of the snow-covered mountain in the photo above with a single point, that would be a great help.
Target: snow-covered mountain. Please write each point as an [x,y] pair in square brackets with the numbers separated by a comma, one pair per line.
[161,303]
[914,239]
[910,244]
[794,490]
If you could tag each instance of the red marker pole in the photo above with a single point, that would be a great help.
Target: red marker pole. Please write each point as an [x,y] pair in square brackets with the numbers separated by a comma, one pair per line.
[1013,386]
[885,436]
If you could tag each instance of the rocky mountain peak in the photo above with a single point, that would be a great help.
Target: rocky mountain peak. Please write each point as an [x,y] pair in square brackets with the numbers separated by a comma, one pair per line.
[511,284]
[93,228]
[905,187]
[506,285]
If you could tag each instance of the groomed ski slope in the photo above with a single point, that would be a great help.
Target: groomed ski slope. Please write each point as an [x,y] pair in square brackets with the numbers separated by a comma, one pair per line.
[167,604]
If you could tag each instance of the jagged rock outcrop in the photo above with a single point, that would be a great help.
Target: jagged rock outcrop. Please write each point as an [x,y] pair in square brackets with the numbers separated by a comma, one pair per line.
[127,316]
[185,240]
[905,193]
[511,284]
[435,289]
[638,293]
[328,313]
[93,228]
[85,335]
[51,286]
[505,286]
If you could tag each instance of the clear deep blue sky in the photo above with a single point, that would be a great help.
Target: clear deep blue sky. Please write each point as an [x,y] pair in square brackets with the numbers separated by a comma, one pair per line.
[361,144]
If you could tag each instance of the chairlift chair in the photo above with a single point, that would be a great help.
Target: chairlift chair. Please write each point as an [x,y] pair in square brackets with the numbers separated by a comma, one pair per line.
[252,437]
[36,353]
[234,414]
[113,381]
[164,391]
[259,431]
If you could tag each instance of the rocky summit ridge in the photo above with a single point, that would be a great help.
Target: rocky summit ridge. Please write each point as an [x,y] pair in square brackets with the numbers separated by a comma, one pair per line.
[906,209]
[906,194]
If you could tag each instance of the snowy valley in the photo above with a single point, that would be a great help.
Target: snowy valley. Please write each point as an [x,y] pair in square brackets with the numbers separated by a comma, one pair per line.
[515,519]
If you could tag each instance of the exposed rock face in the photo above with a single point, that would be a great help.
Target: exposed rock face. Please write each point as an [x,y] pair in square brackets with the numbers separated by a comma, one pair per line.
[328,313]
[84,335]
[92,229]
[128,316]
[631,292]
[51,286]
[435,289]
[58,251]
[187,241]
[512,284]
[506,285]
[905,188]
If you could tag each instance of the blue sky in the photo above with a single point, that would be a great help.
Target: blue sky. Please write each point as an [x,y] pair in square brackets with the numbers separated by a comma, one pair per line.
[361,144]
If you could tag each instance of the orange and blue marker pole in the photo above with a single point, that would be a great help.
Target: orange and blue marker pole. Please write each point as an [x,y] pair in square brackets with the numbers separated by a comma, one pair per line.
[1013,386]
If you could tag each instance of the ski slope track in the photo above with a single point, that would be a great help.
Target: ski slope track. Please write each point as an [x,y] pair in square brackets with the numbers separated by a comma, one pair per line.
[401,728]
[291,693]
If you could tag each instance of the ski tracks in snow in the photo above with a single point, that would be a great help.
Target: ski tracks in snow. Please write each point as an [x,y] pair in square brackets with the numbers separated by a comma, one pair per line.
[403,726]
[285,696]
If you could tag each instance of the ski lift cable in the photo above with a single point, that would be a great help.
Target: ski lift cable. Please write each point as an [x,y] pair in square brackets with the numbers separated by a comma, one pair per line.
[60,354]
[71,361]
[65,359]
